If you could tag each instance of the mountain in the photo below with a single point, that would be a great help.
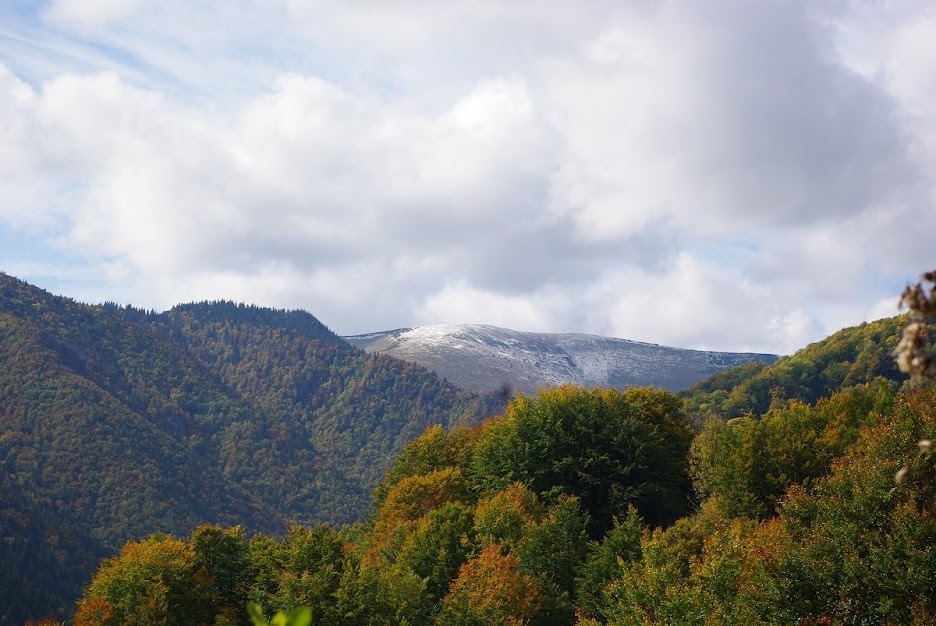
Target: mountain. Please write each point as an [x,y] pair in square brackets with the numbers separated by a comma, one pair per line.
[117,422]
[849,357]
[485,358]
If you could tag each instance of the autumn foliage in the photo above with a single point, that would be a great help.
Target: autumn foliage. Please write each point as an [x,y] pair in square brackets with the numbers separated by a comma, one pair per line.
[594,507]
[490,589]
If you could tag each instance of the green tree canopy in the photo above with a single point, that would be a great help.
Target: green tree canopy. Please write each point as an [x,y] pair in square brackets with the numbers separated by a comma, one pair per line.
[608,448]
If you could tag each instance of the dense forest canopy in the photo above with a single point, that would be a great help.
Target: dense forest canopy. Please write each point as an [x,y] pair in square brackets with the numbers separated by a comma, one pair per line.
[117,422]
[765,495]
[486,524]
[455,541]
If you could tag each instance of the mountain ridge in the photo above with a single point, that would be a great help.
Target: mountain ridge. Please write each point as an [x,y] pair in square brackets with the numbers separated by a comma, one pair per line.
[483,358]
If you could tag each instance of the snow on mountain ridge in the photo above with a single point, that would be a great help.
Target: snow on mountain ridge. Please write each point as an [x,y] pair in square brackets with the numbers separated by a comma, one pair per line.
[483,358]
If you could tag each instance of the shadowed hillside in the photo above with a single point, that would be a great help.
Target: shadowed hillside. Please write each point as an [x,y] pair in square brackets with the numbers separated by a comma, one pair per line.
[115,423]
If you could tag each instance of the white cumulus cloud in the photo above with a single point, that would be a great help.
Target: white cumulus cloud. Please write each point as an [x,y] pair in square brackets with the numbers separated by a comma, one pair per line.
[728,175]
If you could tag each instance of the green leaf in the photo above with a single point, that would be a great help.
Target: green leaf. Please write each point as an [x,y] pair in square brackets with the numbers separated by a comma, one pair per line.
[256,614]
[300,617]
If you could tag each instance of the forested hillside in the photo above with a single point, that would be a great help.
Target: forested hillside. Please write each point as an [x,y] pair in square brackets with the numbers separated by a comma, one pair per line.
[573,508]
[115,423]
[356,409]
[849,357]
[601,507]
[484,525]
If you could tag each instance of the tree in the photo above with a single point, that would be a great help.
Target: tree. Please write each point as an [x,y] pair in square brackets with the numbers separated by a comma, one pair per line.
[223,554]
[504,517]
[437,545]
[748,463]
[490,589]
[154,581]
[313,562]
[605,562]
[435,449]
[551,552]
[406,503]
[608,448]
[381,596]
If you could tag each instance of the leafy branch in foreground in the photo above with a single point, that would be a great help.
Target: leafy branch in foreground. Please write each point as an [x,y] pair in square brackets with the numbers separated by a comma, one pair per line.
[299,617]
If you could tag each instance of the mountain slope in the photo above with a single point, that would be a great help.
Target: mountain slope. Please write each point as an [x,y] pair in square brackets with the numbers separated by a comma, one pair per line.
[849,357]
[89,460]
[115,423]
[484,358]
[355,409]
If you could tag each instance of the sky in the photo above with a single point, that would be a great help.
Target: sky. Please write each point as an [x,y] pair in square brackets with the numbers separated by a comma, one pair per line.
[724,175]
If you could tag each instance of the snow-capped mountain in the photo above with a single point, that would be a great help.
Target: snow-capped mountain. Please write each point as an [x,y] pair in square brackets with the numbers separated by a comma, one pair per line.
[485,358]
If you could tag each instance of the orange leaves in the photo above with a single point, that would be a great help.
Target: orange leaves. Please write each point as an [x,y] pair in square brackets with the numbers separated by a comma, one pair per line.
[410,500]
[95,611]
[491,590]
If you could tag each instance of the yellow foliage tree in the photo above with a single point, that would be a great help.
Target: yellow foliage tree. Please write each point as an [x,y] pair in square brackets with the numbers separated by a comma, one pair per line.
[154,581]
[490,590]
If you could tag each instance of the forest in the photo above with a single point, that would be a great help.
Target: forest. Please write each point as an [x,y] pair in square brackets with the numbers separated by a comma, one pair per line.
[116,423]
[803,492]
[576,507]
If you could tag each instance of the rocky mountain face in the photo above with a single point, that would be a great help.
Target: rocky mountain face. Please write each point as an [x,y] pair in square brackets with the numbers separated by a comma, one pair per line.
[485,358]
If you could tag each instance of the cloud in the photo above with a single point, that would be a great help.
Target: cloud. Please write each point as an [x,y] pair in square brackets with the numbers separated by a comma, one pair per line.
[456,301]
[738,175]
[883,308]
[734,111]
[697,303]
[305,176]
[90,13]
